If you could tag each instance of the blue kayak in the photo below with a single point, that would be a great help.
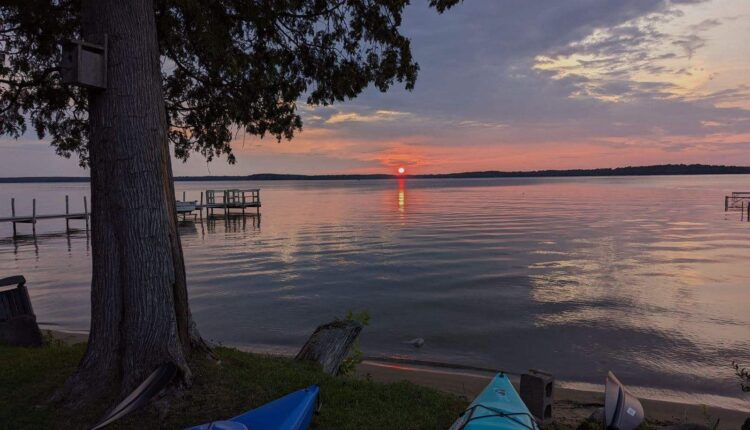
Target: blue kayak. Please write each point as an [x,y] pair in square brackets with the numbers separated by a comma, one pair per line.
[497,407]
[291,412]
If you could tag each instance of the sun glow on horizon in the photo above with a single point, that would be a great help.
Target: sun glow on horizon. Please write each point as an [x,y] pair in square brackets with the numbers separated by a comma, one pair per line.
[401,170]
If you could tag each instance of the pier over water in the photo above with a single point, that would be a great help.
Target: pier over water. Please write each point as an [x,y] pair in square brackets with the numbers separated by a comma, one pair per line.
[34,217]
[228,202]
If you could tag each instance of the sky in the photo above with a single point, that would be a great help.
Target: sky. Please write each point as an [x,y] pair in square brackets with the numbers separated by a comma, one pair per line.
[519,85]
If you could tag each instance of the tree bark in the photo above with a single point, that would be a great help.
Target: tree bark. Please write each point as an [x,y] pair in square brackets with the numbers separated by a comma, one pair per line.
[139,307]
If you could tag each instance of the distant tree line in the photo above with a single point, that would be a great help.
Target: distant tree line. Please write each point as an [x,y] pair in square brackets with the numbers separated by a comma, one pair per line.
[662,169]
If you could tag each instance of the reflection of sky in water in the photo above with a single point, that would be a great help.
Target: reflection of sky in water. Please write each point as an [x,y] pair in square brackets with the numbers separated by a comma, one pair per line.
[644,276]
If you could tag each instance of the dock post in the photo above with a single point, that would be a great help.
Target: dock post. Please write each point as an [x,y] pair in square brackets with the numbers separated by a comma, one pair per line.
[86,213]
[67,212]
[726,203]
[13,213]
[183,196]
[33,216]
[200,210]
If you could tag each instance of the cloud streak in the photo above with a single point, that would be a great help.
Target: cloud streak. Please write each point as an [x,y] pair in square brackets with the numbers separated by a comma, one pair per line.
[377,116]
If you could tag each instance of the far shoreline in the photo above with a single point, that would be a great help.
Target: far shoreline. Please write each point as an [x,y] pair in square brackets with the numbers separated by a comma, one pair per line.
[655,170]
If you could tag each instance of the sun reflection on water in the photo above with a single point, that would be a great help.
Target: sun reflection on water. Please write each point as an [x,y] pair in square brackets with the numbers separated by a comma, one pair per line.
[401,195]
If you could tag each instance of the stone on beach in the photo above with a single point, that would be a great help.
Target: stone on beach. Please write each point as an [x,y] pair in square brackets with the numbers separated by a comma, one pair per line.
[416,342]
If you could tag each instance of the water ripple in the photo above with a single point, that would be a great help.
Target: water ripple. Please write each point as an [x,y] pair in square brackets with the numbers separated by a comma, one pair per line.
[643,276]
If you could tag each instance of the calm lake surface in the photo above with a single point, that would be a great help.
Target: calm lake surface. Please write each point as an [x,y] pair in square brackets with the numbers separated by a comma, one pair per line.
[646,276]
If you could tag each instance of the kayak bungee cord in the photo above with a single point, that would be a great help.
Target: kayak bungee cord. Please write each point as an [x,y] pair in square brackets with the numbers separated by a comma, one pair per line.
[498,413]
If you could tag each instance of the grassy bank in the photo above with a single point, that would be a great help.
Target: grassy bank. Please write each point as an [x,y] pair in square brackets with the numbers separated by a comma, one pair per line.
[237,382]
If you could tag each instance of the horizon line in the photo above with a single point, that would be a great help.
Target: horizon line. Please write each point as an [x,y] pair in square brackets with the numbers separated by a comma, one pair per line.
[648,170]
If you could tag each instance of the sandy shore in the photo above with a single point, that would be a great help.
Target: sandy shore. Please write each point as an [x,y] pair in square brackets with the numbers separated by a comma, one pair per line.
[571,407]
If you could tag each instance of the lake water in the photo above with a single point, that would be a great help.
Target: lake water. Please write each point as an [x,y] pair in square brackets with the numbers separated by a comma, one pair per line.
[646,276]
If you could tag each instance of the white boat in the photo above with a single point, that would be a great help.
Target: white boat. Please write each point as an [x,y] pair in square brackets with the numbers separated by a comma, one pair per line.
[186,207]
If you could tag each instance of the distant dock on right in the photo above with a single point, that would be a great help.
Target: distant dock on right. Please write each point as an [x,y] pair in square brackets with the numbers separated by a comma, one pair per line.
[738,200]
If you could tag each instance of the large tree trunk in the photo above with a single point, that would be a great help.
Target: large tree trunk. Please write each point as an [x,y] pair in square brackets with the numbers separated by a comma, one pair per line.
[139,308]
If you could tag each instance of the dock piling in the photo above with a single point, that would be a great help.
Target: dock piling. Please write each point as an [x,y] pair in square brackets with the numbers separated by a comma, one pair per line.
[86,213]
[67,212]
[200,209]
[33,216]
[13,213]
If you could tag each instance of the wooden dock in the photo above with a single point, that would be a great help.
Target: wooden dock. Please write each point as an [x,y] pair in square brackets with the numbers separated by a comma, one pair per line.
[738,200]
[34,217]
[228,202]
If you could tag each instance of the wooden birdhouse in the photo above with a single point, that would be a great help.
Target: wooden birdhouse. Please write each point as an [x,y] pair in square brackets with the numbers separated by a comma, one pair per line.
[84,64]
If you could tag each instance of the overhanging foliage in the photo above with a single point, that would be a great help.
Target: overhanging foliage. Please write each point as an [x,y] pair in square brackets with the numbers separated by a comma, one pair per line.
[227,65]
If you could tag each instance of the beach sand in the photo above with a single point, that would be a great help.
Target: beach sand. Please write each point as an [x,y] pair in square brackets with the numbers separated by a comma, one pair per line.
[571,406]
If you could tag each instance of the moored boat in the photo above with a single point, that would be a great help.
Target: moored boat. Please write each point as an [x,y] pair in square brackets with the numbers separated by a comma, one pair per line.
[186,207]
[497,407]
[291,412]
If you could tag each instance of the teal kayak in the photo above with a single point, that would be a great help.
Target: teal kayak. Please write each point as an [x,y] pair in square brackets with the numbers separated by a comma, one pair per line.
[291,412]
[497,407]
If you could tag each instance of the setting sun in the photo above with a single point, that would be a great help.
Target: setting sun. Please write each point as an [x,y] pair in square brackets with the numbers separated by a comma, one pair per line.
[401,170]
